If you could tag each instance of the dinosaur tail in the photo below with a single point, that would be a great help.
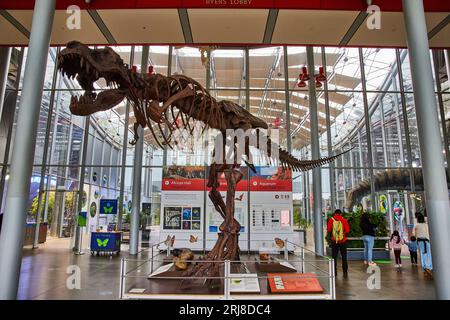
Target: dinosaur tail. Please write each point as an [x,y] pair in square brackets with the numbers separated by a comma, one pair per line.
[282,157]
[289,161]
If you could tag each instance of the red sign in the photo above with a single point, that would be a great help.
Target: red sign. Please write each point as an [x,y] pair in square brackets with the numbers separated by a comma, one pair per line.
[241,186]
[350,5]
[294,283]
[183,185]
[261,184]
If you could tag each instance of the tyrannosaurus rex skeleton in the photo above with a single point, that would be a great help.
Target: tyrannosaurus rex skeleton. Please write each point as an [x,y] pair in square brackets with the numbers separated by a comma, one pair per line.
[164,104]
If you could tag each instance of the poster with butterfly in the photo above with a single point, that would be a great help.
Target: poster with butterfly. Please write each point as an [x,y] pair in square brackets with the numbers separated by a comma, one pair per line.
[108,206]
[182,204]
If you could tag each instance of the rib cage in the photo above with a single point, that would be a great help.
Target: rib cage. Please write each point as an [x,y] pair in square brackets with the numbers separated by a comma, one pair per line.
[201,106]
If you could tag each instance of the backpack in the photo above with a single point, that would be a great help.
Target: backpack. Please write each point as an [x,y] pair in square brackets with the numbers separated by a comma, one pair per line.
[337,231]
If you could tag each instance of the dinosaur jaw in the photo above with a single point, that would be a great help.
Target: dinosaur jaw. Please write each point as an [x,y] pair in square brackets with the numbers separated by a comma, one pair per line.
[91,102]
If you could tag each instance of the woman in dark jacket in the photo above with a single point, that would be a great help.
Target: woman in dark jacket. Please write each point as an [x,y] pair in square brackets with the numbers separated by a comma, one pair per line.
[368,230]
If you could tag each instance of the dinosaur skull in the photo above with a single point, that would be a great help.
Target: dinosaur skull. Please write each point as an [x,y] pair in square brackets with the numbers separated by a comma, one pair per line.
[87,66]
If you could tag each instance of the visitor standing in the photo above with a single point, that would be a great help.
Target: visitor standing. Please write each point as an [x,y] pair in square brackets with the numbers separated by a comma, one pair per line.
[423,240]
[338,228]
[396,243]
[368,231]
[412,246]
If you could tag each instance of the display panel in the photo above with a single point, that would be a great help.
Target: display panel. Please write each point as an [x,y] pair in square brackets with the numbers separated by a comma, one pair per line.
[182,203]
[271,206]
[263,207]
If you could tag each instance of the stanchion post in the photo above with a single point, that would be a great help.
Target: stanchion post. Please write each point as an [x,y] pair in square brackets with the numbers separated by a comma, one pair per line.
[303,260]
[332,279]
[168,249]
[286,251]
[227,279]
[79,251]
[121,279]
[151,262]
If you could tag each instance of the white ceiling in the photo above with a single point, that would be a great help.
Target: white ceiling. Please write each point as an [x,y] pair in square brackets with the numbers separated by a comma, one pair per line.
[89,33]
[312,26]
[392,32]
[143,26]
[225,26]
[9,35]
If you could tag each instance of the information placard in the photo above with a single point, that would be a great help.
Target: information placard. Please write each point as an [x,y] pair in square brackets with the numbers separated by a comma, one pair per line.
[182,205]
[271,206]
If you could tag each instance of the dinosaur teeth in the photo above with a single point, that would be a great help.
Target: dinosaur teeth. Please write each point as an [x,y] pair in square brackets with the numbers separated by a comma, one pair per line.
[74,100]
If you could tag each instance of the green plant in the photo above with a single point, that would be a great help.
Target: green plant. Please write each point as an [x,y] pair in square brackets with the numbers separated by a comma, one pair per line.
[299,221]
[303,223]
[51,202]
[354,218]
[127,217]
[68,205]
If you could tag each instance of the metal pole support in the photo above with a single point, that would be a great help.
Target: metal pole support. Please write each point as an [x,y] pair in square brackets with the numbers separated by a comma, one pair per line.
[315,154]
[436,193]
[286,251]
[303,260]
[227,279]
[332,279]
[22,158]
[151,262]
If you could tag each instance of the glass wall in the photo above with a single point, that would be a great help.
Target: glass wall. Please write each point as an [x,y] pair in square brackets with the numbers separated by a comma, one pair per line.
[267,82]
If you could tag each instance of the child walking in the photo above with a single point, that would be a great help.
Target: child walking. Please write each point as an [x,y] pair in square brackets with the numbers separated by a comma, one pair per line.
[396,243]
[413,246]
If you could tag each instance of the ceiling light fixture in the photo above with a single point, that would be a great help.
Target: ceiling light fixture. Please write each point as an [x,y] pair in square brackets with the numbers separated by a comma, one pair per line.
[321,76]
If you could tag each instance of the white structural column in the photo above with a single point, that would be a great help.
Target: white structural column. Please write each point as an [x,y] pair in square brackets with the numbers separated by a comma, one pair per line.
[11,239]
[315,154]
[436,193]
[5,55]
[137,174]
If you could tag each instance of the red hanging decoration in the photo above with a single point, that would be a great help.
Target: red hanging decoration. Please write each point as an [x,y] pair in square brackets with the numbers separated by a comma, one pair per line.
[134,68]
[321,76]
[318,83]
[150,70]
[277,123]
[301,84]
[305,75]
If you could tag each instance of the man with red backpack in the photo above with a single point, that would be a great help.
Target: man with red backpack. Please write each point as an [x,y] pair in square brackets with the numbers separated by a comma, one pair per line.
[338,228]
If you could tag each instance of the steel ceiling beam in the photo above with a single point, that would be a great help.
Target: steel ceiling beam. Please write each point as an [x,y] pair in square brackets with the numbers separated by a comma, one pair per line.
[185,25]
[5,14]
[270,25]
[359,20]
[439,27]
[102,26]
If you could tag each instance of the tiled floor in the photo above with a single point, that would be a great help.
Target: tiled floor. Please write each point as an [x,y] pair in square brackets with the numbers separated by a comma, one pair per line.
[408,284]
[44,275]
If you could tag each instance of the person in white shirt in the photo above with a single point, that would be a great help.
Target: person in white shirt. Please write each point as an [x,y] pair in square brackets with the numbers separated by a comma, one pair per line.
[423,239]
